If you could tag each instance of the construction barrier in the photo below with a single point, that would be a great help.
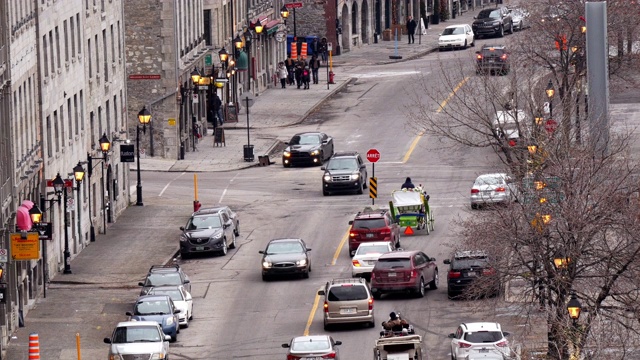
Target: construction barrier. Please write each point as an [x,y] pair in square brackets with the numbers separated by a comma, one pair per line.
[34,347]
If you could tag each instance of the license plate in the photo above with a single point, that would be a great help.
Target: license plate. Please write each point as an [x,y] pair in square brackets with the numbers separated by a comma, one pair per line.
[369,235]
[348,311]
[199,248]
[483,350]
[311,358]
[392,274]
[471,273]
[491,60]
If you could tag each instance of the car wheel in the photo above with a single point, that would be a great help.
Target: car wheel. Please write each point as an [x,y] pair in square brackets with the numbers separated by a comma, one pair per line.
[191,315]
[327,327]
[474,206]
[237,229]
[321,159]
[501,31]
[186,325]
[225,248]
[372,324]
[325,193]
[452,358]
[174,337]
[265,277]
[420,290]
[465,45]
[286,165]
[359,191]
[511,28]
[450,294]
[433,285]
[233,241]
[377,295]
[184,256]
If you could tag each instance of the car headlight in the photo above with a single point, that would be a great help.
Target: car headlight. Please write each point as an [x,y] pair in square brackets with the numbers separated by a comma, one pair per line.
[183,238]
[216,236]
[355,176]
[170,320]
[302,262]
[327,177]
[497,22]
[157,356]
[266,265]
[315,152]
[286,154]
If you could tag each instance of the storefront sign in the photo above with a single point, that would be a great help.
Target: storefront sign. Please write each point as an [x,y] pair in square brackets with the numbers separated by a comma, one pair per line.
[127,153]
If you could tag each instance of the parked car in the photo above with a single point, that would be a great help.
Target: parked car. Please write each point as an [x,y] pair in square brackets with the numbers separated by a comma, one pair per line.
[456,36]
[209,230]
[307,148]
[235,219]
[511,124]
[158,308]
[467,268]
[367,255]
[493,59]
[312,347]
[373,225]
[520,18]
[494,21]
[285,257]
[347,301]
[181,299]
[402,271]
[476,338]
[345,172]
[490,189]
[132,339]
[163,275]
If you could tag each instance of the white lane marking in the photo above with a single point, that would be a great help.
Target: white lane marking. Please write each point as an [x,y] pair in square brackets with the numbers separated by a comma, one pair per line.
[169,183]
[387,74]
[225,189]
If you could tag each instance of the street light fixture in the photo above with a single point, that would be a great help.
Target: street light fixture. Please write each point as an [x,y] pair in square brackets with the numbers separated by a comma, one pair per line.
[35,214]
[105,144]
[237,42]
[550,92]
[258,28]
[284,12]
[144,117]
[195,76]
[223,55]
[78,173]
[574,307]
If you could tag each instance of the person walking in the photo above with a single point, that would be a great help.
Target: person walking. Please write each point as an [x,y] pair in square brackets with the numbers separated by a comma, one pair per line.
[290,64]
[411,29]
[324,49]
[315,47]
[283,74]
[306,78]
[217,105]
[300,65]
[315,66]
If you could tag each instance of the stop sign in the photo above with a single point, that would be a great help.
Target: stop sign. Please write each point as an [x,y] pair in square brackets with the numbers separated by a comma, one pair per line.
[373,155]
[550,125]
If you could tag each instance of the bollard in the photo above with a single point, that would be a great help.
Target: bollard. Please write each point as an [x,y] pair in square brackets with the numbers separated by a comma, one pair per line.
[34,347]
[78,346]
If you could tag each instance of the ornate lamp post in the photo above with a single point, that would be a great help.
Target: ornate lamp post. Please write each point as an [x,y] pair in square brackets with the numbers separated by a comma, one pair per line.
[60,189]
[105,147]
[144,117]
[550,92]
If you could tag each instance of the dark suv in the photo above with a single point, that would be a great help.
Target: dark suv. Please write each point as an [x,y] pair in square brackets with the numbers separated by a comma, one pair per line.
[345,172]
[208,230]
[492,22]
[467,267]
[373,225]
[493,59]
[164,275]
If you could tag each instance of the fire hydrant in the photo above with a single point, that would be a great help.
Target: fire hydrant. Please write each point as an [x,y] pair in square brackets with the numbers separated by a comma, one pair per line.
[331,75]
[196,205]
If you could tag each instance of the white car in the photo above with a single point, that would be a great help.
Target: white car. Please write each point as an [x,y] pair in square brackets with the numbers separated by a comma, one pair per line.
[133,339]
[182,300]
[473,340]
[460,36]
[492,189]
[367,255]
[510,123]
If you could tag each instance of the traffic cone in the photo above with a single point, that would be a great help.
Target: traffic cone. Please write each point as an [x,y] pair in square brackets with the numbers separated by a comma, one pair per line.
[408,231]
[34,347]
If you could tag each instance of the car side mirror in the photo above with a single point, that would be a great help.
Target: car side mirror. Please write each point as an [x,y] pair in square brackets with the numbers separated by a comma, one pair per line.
[182,228]
[128,313]
[452,336]
[285,346]
[506,333]
[338,342]
[475,18]
[440,34]
[323,168]
[320,292]
[186,281]
[176,311]
[432,259]
[286,143]
[140,284]
[108,340]
[308,249]
[325,142]
[261,252]
[350,222]
[446,261]
[225,226]
[167,338]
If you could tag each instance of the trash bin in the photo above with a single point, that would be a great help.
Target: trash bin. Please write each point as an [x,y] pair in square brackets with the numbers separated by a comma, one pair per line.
[248,152]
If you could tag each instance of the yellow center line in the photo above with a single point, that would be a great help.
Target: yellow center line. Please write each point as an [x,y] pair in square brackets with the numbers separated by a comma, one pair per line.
[342,242]
[316,301]
[444,102]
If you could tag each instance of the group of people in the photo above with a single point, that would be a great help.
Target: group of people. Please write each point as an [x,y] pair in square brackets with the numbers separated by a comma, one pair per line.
[296,70]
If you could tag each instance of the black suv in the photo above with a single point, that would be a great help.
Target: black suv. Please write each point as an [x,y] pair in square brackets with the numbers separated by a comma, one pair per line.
[345,172]
[492,22]
[467,267]
[208,230]
[165,275]
[493,59]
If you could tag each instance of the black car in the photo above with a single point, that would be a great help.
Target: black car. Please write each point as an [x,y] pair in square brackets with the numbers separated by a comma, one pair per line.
[208,230]
[493,59]
[163,275]
[345,172]
[467,268]
[312,148]
[493,21]
[285,257]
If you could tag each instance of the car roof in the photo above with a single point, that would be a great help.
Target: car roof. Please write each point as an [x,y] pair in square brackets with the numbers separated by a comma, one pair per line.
[164,268]
[166,287]
[398,254]
[208,211]
[308,133]
[285,240]
[137,323]
[345,153]
[455,26]
[493,175]
[310,338]
[489,46]
[152,298]
[374,243]
[370,213]
[482,326]
[469,254]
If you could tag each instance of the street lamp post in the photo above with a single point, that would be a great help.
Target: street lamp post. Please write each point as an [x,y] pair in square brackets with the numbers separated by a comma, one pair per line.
[60,189]
[284,12]
[224,61]
[195,80]
[574,308]
[144,117]
[105,147]
[36,218]
[550,92]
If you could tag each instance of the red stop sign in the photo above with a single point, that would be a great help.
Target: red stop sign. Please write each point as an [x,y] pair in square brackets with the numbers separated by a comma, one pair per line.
[373,155]
[550,125]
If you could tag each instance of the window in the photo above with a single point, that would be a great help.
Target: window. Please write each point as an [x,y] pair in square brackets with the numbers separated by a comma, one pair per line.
[347,293]
[52,51]
[115,112]
[49,138]
[119,42]
[107,109]
[92,123]
[56,133]
[105,56]
[81,111]
[66,41]
[95,40]
[70,118]
[78,28]
[73,36]
[113,46]
[58,47]
[76,110]
[45,51]
[100,121]
[90,62]
[62,142]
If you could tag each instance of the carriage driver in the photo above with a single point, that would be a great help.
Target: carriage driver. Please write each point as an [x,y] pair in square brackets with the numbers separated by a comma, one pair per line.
[407,184]
[394,322]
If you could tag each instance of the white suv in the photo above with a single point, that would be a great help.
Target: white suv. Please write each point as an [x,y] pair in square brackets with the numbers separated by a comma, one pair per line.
[137,339]
[479,339]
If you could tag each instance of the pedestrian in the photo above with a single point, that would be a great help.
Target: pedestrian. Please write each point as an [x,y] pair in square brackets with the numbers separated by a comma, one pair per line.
[217,104]
[411,29]
[314,64]
[315,47]
[290,64]
[306,77]
[324,48]
[283,74]
[300,65]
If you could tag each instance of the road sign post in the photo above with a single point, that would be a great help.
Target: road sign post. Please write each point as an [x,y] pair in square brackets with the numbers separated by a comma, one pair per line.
[373,155]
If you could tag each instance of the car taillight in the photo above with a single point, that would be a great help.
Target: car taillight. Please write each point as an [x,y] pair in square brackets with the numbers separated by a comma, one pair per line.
[352,234]
[503,343]
[329,356]
[489,271]
[385,232]
[500,189]
[454,274]
[414,273]
[475,191]
[293,357]
[326,307]
[373,275]
[356,263]
[478,56]
[503,57]
[370,303]
[464,345]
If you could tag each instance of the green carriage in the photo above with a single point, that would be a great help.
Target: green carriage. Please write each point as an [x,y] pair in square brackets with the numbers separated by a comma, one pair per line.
[410,208]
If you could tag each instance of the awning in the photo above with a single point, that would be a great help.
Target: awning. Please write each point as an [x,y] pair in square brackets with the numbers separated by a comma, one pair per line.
[242,62]
[272,26]
[262,20]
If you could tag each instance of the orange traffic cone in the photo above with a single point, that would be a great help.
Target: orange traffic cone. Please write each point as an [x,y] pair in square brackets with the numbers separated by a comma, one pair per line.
[34,347]
[408,231]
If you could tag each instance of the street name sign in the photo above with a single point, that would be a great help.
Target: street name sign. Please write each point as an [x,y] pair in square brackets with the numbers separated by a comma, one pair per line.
[293,5]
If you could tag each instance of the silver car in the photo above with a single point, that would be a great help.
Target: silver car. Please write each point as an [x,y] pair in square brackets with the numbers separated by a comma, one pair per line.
[367,255]
[492,189]
[520,18]
[138,339]
[313,347]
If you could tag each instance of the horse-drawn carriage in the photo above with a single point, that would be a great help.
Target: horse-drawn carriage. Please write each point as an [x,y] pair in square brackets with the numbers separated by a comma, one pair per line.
[410,207]
[403,347]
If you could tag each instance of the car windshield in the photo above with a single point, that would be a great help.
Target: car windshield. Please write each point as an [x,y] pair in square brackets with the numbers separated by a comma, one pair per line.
[347,293]
[309,345]
[342,164]
[204,222]
[492,52]
[453,31]
[399,263]
[284,248]
[163,279]
[469,263]
[305,140]
[489,180]
[132,334]
[493,14]
[174,294]
[483,336]
[376,249]
[368,224]
[152,307]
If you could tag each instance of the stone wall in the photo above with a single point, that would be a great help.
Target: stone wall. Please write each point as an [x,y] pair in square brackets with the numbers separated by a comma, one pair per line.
[310,19]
